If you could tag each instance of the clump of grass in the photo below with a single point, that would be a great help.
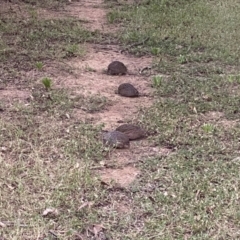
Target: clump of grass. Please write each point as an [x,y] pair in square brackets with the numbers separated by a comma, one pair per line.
[39,65]
[73,50]
[182,59]
[234,78]
[208,127]
[47,82]
[155,51]
[157,81]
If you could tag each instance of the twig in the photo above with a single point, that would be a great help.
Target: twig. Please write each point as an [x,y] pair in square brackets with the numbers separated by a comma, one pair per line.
[54,234]
[11,224]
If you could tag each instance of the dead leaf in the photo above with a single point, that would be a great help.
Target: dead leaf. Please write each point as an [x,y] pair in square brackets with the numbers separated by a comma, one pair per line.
[52,212]
[86,204]
[2,224]
[97,228]
[10,187]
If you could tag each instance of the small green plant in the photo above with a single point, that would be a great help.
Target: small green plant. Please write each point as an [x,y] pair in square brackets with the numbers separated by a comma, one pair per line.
[157,81]
[47,82]
[155,51]
[73,50]
[182,59]
[39,65]
[208,127]
[113,17]
[234,78]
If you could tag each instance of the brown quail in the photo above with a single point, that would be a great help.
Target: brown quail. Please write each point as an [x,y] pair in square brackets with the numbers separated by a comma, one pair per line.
[115,139]
[127,90]
[132,131]
[116,68]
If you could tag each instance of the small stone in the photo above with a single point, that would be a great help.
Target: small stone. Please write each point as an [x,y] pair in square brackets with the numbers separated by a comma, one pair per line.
[132,131]
[116,139]
[127,90]
[116,68]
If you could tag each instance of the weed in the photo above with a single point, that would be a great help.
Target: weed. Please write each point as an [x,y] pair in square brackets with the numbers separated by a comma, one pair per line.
[182,59]
[74,50]
[39,65]
[155,51]
[47,82]
[208,128]
[157,81]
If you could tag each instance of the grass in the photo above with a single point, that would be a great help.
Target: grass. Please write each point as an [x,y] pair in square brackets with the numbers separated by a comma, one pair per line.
[193,192]
[48,187]
[197,29]
[43,164]
[27,39]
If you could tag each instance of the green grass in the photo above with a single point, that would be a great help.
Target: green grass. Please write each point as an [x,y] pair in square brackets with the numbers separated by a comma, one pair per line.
[41,39]
[204,29]
[47,156]
[189,196]
[193,192]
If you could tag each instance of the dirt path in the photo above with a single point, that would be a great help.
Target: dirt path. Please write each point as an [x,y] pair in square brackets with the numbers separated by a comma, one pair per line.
[90,69]
[92,80]
[96,82]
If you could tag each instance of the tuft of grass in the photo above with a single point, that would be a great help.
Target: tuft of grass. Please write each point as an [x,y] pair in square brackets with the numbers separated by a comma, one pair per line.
[39,65]
[208,127]
[73,50]
[47,82]
[182,59]
[157,81]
